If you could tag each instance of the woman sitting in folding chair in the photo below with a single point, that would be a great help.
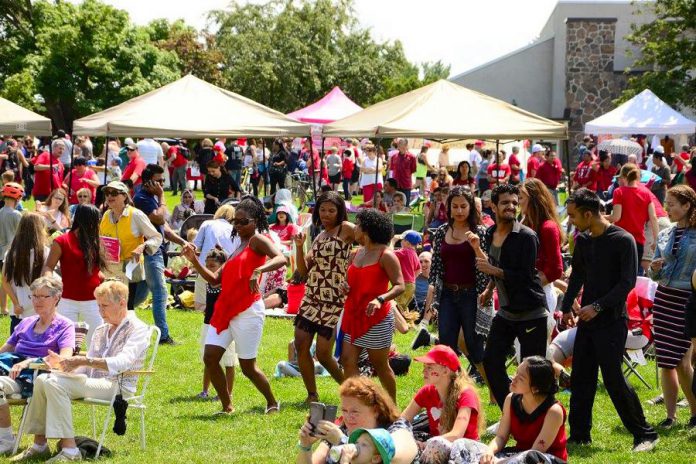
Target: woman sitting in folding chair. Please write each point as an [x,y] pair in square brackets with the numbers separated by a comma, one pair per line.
[33,338]
[119,345]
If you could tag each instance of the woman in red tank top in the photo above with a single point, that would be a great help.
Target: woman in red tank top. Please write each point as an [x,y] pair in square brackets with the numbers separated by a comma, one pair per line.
[368,322]
[532,416]
[238,314]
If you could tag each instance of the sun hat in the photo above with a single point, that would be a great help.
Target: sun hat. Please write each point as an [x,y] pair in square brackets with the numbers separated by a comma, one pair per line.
[659,149]
[13,190]
[442,355]
[118,186]
[284,209]
[381,438]
[412,237]
[536,148]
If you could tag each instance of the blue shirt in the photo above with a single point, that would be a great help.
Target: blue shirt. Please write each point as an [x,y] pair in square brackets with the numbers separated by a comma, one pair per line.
[147,203]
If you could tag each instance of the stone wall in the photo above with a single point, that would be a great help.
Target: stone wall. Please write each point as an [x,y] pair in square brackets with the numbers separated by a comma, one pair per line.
[591,82]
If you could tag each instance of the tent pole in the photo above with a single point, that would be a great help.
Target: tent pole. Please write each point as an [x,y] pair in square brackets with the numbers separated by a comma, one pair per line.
[497,163]
[567,157]
[106,156]
[321,157]
[50,160]
[72,160]
[374,194]
[265,170]
[311,163]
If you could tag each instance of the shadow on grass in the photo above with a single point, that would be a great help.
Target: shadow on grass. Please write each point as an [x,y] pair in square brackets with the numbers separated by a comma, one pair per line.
[190,399]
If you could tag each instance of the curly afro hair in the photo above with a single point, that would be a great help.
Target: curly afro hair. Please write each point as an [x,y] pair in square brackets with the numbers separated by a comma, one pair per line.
[254,208]
[378,226]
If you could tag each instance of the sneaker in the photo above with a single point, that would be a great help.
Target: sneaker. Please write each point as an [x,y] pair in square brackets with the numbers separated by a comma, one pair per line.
[168,341]
[422,339]
[667,424]
[645,445]
[579,441]
[692,423]
[6,445]
[683,403]
[659,399]
[64,457]
[493,429]
[31,453]
[202,396]
[564,380]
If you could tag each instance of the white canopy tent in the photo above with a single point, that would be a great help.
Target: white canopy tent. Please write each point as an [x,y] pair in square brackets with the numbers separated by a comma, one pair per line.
[643,114]
[16,120]
[190,108]
[445,111]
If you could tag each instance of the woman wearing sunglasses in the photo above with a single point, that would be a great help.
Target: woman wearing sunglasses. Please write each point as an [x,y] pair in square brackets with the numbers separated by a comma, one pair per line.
[239,311]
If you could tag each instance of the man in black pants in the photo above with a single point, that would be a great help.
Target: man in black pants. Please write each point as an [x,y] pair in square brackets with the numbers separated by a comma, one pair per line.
[604,264]
[512,253]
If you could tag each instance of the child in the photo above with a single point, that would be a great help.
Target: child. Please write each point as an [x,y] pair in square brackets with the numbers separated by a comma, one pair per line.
[9,218]
[7,177]
[410,265]
[214,261]
[437,208]
[449,398]
[366,446]
[290,368]
[113,171]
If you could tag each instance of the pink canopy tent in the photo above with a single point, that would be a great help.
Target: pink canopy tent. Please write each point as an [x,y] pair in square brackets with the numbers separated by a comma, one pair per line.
[333,106]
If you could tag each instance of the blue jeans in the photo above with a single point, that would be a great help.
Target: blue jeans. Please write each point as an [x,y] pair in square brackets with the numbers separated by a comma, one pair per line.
[346,189]
[154,276]
[458,311]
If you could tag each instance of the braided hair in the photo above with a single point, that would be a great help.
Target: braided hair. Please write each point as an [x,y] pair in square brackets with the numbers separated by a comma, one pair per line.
[685,194]
[254,208]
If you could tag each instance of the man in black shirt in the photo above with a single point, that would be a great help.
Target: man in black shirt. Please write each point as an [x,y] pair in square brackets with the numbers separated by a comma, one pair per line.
[512,253]
[234,161]
[604,264]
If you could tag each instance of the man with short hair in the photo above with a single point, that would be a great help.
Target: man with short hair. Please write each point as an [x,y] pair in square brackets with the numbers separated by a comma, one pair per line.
[65,156]
[515,166]
[150,151]
[403,164]
[512,253]
[136,166]
[389,191]
[550,172]
[604,265]
[48,170]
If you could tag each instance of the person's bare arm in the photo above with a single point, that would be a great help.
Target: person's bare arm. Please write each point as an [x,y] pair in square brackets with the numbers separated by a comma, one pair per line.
[52,260]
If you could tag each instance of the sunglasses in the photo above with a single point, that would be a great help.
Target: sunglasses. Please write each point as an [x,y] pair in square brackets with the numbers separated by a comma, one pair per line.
[131,149]
[112,193]
[241,222]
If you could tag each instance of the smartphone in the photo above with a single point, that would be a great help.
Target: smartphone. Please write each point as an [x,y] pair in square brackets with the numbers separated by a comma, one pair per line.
[330,413]
[316,413]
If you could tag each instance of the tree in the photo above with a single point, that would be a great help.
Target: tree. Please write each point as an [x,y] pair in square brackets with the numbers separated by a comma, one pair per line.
[72,60]
[668,53]
[287,54]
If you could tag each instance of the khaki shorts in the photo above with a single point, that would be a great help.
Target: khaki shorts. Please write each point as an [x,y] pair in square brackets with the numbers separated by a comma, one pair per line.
[403,300]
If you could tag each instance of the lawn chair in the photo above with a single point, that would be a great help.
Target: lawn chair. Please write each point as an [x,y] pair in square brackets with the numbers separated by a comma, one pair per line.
[403,222]
[633,357]
[80,336]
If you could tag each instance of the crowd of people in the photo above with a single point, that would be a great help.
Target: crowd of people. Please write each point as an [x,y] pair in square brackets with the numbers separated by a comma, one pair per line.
[493,272]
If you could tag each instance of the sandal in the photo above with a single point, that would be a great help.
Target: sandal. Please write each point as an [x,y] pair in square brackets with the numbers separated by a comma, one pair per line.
[273,409]
[224,413]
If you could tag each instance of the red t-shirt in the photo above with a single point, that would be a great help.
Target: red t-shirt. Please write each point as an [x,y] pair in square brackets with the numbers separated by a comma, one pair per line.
[634,210]
[549,260]
[515,167]
[605,177]
[403,167]
[180,160]
[136,166]
[586,176]
[429,399]
[498,173]
[42,179]
[410,264]
[347,167]
[532,166]
[77,182]
[659,210]
[286,232]
[81,284]
[680,161]
[550,173]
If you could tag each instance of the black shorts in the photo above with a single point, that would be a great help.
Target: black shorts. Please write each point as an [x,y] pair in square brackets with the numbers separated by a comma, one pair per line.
[283,294]
[335,179]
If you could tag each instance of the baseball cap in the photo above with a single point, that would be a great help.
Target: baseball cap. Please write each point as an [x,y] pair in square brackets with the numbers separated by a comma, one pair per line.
[478,143]
[412,237]
[442,355]
[381,438]
[659,149]
[131,146]
[486,196]
[128,141]
[13,190]
[537,148]
[117,185]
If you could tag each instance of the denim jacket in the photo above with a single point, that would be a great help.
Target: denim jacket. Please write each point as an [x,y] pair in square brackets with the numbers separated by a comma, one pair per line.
[676,270]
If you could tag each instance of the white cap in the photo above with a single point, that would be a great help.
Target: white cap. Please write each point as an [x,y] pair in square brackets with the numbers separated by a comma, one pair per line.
[537,148]
[659,149]
[128,141]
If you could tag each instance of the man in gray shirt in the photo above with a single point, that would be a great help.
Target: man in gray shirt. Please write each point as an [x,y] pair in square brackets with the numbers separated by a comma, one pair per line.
[334,165]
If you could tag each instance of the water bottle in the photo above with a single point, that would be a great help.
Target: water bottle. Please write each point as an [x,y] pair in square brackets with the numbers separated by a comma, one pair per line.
[336,451]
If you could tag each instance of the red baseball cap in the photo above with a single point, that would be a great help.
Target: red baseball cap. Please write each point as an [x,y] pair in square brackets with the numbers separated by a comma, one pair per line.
[442,355]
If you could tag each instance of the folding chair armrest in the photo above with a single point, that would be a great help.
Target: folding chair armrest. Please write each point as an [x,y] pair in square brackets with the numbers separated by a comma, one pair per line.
[40,366]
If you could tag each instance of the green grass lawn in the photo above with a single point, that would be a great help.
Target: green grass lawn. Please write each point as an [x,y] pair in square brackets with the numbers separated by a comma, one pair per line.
[182,429]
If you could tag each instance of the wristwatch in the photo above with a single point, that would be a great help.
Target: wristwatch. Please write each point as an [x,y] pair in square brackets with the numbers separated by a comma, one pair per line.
[597,307]
[380,299]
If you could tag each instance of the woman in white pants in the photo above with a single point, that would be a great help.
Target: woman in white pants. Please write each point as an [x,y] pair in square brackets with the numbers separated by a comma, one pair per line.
[81,263]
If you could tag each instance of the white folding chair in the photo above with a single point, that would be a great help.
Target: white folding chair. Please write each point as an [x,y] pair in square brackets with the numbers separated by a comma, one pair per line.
[136,401]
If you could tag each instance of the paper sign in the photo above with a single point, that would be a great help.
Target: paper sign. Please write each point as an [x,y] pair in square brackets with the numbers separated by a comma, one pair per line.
[130,267]
[112,249]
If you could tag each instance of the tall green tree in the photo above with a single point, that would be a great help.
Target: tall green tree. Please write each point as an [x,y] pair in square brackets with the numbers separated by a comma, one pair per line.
[286,54]
[71,60]
[667,47]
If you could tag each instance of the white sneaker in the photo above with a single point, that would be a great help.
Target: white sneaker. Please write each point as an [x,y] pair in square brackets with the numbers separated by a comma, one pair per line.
[6,446]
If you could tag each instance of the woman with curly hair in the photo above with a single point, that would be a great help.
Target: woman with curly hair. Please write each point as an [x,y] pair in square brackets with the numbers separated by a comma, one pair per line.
[239,312]
[457,282]
[675,260]
[363,405]
[82,261]
[368,322]
[325,268]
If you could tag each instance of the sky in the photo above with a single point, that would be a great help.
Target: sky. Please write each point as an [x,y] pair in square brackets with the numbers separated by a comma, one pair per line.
[461,33]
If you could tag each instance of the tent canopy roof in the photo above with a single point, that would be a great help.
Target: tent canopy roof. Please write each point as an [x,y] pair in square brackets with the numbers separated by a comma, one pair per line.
[446,111]
[16,120]
[645,114]
[193,108]
[333,106]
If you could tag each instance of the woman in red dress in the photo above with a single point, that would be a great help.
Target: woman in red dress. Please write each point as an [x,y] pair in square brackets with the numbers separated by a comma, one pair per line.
[239,311]
[368,322]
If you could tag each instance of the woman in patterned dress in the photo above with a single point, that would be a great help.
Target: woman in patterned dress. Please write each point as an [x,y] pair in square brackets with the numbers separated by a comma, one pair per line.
[325,268]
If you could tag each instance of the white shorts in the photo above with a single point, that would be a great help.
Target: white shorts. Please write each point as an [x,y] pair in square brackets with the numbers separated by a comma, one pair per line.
[565,341]
[229,359]
[246,330]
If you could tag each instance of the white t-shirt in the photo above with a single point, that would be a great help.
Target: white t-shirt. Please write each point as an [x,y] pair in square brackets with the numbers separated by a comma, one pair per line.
[369,179]
[150,151]
[24,293]
[215,232]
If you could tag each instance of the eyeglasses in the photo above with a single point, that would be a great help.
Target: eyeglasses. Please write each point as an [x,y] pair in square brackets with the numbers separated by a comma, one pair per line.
[241,222]
[112,193]
[41,297]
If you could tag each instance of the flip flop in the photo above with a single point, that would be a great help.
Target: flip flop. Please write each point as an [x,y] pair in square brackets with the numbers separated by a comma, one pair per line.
[271,409]
[223,413]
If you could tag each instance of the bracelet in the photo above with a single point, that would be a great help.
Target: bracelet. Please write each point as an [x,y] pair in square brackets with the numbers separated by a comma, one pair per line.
[303,448]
